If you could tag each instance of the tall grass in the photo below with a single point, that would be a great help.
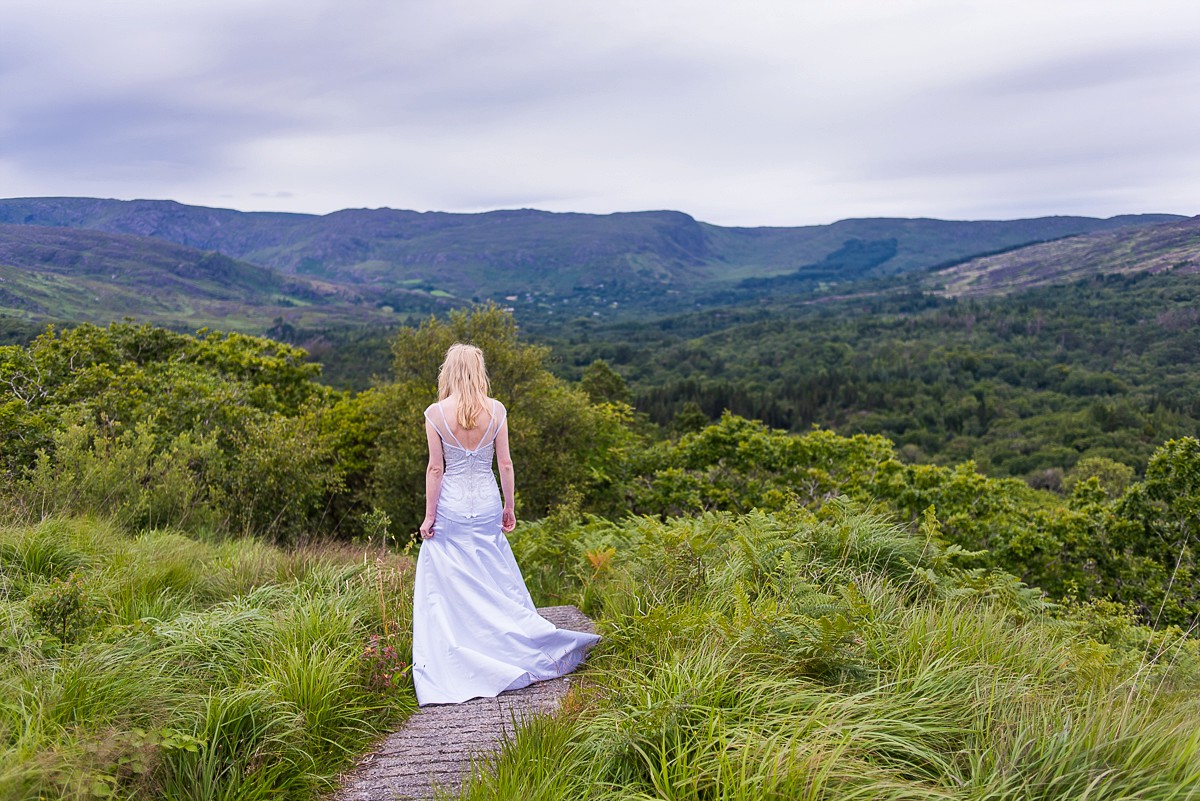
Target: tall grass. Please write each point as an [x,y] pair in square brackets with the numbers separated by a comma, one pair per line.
[205,670]
[790,655]
[836,656]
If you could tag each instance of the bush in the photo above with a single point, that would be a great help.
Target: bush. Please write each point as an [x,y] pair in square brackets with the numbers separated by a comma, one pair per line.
[128,474]
[62,609]
[281,479]
[159,428]
[1137,547]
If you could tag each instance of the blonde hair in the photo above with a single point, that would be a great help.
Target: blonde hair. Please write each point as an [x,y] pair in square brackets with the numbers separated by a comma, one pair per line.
[464,375]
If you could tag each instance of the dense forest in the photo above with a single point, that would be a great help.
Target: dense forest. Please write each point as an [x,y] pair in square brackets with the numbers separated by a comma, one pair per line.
[1025,385]
[206,558]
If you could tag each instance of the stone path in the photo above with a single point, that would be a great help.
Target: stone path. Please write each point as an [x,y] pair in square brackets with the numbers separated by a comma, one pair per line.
[437,743]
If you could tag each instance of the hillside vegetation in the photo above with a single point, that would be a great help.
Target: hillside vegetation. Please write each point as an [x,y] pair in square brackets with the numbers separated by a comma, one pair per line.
[1025,385]
[205,588]
[624,258]
[834,655]
[340,284]
[57,274]
[1160,248]
[154,665]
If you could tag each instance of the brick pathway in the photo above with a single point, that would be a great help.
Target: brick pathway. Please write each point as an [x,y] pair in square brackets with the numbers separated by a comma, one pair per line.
[437,743]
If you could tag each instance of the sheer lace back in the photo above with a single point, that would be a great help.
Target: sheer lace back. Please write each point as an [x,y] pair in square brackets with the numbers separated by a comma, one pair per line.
[469,487]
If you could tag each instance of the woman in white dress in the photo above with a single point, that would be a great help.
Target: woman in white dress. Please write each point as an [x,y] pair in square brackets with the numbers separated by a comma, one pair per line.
[476,631]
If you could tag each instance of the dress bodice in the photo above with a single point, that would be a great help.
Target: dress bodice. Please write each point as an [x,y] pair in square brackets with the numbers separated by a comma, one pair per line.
[469,487]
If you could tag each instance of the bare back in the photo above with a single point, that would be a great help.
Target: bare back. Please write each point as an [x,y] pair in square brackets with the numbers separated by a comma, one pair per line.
[468,438]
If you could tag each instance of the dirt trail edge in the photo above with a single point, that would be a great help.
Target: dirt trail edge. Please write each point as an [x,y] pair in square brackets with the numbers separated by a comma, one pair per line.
[437,743]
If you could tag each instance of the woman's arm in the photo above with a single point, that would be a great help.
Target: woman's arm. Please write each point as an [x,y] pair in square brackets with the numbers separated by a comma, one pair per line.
[508,518]
[433,478]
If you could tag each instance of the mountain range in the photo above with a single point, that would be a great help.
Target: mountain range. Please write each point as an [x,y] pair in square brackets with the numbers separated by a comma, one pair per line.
[89,258]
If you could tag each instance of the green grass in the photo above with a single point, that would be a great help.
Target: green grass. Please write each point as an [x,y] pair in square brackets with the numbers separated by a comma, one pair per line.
[787,655]
[836,656]
[204,671]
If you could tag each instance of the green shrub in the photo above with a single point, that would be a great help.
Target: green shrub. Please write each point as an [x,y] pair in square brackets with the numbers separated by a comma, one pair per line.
[158,429]
[129,475]
[1137,547]
[281,478]
[63,608]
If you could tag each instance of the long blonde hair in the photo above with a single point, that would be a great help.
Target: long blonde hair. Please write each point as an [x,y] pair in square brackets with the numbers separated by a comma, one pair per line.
[464,375]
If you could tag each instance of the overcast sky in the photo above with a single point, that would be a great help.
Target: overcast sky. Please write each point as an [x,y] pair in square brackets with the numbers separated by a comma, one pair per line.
[788,112]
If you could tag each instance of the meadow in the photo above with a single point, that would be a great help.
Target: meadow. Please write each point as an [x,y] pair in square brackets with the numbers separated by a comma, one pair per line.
[789,654]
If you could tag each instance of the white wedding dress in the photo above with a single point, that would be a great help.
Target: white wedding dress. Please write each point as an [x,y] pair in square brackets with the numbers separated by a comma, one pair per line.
[476,631]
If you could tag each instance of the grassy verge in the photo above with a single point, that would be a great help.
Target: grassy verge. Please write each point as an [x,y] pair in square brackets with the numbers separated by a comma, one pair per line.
[836,656]
[158,666]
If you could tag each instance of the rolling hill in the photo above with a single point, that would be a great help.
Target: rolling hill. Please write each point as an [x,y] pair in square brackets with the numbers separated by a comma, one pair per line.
[80,275]
[633,257]
[1171,246]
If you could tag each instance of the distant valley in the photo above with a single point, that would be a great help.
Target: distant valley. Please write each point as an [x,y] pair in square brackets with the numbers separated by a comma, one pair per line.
[548,263]
[1020,344]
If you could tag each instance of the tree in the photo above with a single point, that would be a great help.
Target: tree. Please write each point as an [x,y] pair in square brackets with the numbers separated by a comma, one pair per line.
[1159,533]
[604,384]
[1112,476]
[158,427]
[689,419]
[559,438]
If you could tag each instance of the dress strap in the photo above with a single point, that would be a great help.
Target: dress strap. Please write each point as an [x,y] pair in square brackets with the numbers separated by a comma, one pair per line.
[444,429]
[494,424]
[499,413]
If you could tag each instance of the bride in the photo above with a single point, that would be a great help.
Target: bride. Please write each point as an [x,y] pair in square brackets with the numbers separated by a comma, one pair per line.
[476,631]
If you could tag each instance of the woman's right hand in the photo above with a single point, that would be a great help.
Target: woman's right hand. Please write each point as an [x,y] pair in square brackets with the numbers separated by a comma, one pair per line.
[427,528]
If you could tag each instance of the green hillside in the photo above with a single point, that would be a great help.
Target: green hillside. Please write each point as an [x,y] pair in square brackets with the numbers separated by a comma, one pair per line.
[63,274]
[627,257]
[1026,385]
[1172,246]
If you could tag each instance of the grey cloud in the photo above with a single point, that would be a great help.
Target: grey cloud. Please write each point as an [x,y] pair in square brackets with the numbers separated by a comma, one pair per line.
[1093,69]
[472,105]
[123,135]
